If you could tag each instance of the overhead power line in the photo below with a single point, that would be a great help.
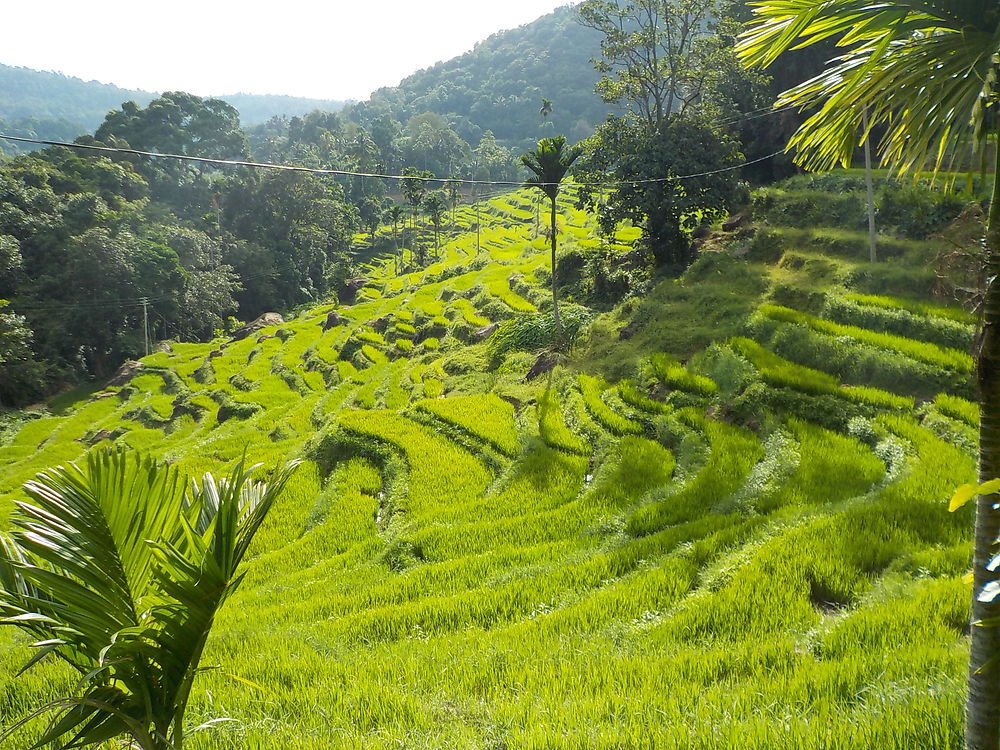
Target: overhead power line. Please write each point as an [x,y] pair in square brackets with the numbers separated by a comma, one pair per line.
[349,173]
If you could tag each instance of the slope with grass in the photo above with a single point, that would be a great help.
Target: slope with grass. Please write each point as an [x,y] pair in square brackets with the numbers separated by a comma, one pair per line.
[728,528]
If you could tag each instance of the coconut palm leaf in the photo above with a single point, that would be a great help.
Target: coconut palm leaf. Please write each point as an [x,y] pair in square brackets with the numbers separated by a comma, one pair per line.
[924,69]
[115,568]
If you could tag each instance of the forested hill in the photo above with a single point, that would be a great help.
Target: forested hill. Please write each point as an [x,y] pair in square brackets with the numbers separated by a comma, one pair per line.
[51,105]
[499,85]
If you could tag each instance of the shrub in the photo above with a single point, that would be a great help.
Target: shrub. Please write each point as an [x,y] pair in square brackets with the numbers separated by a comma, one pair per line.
[538,331]
[915,211]
[885,278]
[810,208]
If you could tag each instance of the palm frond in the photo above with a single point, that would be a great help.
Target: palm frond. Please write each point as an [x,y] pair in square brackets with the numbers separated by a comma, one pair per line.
[924,70]
[118,570]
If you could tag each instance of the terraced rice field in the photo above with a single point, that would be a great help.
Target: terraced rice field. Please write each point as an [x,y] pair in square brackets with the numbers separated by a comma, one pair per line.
[749,551]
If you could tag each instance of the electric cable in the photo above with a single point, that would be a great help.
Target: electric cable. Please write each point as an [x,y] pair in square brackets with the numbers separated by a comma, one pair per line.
[348,173]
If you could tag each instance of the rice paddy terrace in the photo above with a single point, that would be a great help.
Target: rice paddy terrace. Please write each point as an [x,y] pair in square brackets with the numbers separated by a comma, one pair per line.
[749,550]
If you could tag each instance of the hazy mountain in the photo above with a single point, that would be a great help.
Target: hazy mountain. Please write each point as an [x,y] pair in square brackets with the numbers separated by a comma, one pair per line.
[51,105]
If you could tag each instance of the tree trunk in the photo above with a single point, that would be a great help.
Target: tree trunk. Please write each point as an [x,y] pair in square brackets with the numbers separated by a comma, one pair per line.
[555,297]
[982,731]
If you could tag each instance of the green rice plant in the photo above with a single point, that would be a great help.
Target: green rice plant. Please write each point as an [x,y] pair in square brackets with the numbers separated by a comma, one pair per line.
[468,313]
[417,373]
[956,314]
[373,355]
[733,453]
[632,396]
[671,373]
[500,289]
[487,417]
[370,337]
[346,370]
[931,354]
[440,473]
[855,362]
[862,394]
[397,392]
[230,408]
[958,408]
[933,329]
[433,388]
[783,373]
[552,425]
[800,592]
[592,388]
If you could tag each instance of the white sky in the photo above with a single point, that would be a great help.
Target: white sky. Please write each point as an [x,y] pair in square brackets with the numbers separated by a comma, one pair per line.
[328,49]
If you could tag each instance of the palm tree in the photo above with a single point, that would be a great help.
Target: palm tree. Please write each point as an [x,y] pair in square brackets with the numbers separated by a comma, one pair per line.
[927,72]
[395,215]
[550,162]
[119,570]
[435,205]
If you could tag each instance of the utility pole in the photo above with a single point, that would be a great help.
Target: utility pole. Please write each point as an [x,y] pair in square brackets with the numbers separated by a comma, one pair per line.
[145,322]
[870,189]
[479,247]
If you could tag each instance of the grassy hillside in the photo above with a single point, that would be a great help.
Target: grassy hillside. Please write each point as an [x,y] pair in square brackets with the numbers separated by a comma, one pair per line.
[726,527]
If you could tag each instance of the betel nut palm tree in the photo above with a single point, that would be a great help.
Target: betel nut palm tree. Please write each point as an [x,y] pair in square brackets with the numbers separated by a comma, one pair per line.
[926,73]
[550,161]
[118,568]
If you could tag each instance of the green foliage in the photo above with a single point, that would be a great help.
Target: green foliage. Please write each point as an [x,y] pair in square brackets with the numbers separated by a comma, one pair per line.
[634,154]
[487,417]
[21,376]
[634,397]
[917,308]
[433,548]
[230,408]
[913,211]
[958,408]
[124,584]
[495,87]
[780,372]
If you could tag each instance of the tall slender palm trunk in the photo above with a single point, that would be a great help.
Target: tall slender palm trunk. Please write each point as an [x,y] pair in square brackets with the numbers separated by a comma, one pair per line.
[555,297]
[982,731]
